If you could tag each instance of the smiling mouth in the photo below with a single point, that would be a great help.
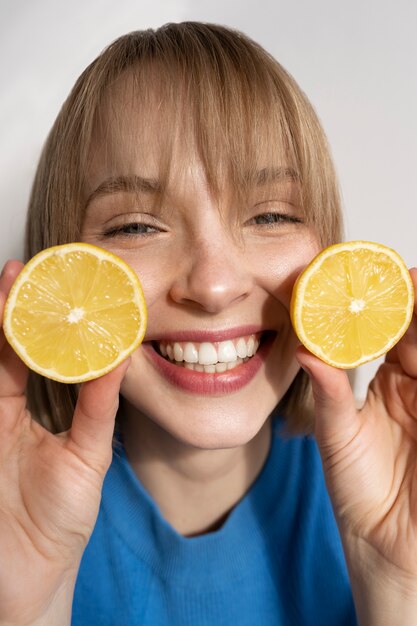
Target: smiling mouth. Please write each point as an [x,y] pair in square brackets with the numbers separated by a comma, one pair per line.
[210,357]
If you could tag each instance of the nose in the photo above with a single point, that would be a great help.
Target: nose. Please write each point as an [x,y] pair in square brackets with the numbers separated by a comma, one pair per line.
[212,275]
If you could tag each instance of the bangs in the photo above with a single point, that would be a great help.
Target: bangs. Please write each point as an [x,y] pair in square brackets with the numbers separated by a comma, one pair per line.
[228,104]
[164,98]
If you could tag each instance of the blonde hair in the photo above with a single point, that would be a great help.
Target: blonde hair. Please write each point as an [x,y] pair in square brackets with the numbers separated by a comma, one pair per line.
[241,109]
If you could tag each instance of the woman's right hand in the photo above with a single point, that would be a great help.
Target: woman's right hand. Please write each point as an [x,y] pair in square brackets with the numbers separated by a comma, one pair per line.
[50,488]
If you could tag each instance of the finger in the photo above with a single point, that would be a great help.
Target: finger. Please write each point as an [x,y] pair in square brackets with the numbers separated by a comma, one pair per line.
[13,372]
[9,273]
[93,423]
[336,417]
[405,352]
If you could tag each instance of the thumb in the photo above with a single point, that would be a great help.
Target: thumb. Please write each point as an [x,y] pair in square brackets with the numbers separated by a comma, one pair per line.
[92,428]
[336,419]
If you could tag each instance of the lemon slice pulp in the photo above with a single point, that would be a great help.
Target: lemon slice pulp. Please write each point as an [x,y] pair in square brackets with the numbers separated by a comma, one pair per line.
[75,312]
[352,303]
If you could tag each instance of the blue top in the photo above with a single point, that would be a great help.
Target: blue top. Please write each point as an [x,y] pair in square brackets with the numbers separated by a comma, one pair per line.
[276,561]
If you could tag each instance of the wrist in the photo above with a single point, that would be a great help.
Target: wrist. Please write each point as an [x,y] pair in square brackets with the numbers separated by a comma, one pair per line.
[384,595]
[54,612]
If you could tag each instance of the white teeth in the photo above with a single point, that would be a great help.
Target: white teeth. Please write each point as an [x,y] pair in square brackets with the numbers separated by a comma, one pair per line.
[241,348]
[211,357]
[190,353]
[211,369]
[221,367]
[238,361]
[227,352]
[178,352]
[207,354]
[251,346]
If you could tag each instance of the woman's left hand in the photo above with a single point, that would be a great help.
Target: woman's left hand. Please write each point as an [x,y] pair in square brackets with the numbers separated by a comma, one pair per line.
[370,462]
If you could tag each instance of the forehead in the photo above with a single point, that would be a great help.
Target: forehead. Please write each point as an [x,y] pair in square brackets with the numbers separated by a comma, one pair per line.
[161,132]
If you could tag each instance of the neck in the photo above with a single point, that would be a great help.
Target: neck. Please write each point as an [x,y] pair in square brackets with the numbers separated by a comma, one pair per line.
[194,489]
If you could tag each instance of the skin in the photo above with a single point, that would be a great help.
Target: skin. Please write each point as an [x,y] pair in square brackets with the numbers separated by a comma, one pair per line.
[49,488]
[370,462]
[208,448]
[369,455]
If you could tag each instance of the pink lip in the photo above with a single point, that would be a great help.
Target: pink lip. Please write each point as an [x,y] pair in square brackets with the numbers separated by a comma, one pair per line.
[209,384]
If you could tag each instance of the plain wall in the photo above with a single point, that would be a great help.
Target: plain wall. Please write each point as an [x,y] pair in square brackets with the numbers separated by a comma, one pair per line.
[357,62]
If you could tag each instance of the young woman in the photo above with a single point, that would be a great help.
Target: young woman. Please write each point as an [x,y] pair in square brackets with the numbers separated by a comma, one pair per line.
[192,154]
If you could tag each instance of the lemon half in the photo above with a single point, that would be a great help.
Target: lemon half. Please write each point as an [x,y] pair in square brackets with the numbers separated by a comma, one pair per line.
[75,312]
[352,303]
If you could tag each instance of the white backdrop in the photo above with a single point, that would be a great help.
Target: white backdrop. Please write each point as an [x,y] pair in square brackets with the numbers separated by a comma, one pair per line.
[357,62]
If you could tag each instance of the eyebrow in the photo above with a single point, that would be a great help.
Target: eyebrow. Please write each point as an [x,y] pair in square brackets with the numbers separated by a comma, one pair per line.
[152,186]
[125,183]
[275,174]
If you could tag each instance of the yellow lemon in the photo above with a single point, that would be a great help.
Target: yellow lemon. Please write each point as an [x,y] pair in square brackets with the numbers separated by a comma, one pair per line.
[75,312]
[352,303]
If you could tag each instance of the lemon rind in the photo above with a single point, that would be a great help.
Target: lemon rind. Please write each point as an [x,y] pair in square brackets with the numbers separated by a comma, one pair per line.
[297,301]
[24,276]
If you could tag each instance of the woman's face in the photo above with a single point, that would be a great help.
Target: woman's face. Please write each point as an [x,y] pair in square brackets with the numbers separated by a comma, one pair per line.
[219,349]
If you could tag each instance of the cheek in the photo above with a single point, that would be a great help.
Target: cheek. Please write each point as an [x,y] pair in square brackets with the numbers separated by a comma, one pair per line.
[281,263]
[155,272]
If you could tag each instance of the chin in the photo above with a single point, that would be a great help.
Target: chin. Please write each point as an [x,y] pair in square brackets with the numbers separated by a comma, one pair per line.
[205,422]
[217,430]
